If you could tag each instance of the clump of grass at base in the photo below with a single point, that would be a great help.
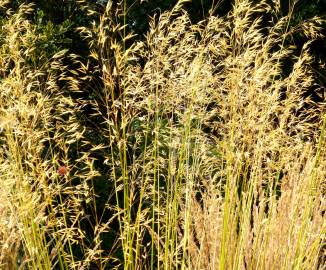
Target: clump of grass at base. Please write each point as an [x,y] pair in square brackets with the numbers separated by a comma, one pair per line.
[213,159]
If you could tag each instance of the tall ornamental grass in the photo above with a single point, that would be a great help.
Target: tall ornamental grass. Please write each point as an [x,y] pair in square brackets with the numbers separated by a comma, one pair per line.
[190,149]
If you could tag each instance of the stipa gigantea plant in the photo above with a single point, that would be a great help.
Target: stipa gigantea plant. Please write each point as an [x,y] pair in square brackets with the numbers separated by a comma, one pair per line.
[14,180]
[43,209]
[43,119]
[238,73]
[256,127]
[204,150]
[229,82]
[134,149]
[107,42]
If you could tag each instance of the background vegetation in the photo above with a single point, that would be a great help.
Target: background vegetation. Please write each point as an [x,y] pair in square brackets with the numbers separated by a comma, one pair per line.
[162,135]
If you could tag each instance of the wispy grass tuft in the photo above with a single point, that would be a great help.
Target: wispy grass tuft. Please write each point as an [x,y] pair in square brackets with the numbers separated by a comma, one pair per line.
[191,149]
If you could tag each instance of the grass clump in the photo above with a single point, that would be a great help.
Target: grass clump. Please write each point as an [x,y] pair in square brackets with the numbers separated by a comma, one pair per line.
[191,149]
